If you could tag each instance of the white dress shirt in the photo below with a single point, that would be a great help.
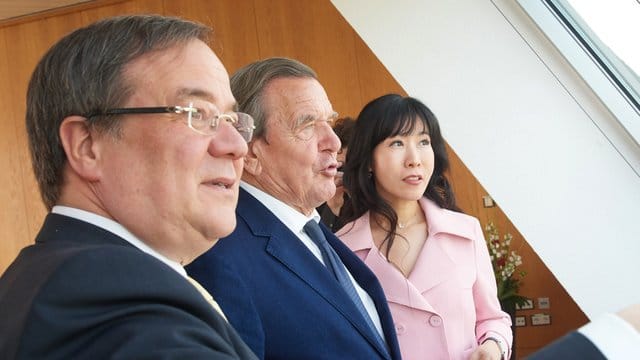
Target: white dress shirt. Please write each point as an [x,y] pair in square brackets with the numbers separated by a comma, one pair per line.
[613,336]
[295,221]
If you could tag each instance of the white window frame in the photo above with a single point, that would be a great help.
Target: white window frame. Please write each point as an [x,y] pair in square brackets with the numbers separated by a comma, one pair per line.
[627,142]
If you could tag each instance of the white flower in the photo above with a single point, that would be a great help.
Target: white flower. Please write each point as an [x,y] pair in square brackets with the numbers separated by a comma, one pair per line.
[504,260]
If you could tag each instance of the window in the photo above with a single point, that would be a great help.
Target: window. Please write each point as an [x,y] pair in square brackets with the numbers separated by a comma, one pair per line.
[599,40]
[609,32]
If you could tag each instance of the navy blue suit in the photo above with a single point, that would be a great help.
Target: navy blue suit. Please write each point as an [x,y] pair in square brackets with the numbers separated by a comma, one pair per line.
[282,301]
[81,292]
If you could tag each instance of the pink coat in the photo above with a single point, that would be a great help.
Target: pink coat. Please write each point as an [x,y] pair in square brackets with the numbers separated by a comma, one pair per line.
[448,304]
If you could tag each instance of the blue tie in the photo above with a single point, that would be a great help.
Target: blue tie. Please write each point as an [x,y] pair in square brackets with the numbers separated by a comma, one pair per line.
[338,270]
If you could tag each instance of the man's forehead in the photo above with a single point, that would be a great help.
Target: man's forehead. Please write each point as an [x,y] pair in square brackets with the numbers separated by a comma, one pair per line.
[295,94]
[174,76]
[296,89]
[221,99]
[310,110]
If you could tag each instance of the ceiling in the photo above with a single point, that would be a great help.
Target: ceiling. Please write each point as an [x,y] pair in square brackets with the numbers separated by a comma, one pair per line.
[15,8]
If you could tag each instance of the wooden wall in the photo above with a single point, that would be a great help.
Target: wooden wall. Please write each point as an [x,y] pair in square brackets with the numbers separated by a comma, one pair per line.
[244,30]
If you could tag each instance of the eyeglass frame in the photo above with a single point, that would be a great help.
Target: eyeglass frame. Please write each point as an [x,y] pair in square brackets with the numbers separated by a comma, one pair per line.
[243,122]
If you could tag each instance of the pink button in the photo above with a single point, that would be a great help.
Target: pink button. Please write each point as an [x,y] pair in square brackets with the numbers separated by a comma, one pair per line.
[400,329]
[435,321]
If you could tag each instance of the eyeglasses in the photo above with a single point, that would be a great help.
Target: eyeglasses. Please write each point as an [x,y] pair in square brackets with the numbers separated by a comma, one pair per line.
[203,120]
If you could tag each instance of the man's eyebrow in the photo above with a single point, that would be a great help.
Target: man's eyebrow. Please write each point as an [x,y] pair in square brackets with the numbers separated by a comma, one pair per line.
[304,119]
[308,118]
[194,92]
[202,94]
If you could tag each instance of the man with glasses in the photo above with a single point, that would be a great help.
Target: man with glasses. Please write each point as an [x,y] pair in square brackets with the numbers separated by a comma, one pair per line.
[290,288]
[138,153]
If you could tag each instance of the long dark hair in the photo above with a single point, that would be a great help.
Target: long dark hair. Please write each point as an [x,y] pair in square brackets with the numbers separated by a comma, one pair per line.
[388,116]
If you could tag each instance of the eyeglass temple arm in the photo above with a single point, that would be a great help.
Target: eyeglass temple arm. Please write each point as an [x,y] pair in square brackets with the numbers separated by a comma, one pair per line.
[139,110]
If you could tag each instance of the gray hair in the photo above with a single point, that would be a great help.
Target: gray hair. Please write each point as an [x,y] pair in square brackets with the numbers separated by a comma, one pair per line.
[248,83]
[83,73]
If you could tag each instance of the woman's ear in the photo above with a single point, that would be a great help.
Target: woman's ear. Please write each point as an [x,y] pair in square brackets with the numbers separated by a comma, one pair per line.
[252,161]
[80,147]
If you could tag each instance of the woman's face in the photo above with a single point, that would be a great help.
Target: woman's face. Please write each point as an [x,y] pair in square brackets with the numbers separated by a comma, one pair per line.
[402,165]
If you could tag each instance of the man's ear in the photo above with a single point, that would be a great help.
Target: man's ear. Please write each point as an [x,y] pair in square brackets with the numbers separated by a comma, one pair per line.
[80,147]
[252,161]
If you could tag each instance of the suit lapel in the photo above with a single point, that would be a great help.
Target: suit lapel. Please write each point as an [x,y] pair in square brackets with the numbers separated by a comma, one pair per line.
[368,281]
[287,249]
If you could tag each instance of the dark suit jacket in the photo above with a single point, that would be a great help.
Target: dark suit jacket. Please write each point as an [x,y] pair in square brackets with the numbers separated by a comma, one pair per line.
[282,300]
[571,346]
[84,293]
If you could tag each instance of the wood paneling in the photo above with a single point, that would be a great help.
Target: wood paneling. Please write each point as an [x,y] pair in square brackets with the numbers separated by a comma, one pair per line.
[315,33]
[244,31]
[373,77]
[234,38]
[15,8]
[13,223]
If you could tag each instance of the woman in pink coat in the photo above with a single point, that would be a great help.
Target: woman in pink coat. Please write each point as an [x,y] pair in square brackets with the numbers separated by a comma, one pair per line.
[430,258]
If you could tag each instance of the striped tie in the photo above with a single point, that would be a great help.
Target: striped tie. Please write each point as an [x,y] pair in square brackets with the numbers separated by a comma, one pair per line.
[207,296]
[339,271]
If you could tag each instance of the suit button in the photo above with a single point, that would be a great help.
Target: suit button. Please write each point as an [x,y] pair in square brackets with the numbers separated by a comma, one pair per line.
[435,321]
[400,329]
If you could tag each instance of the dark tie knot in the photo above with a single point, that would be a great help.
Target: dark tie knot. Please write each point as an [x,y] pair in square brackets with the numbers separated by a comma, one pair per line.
[315,233]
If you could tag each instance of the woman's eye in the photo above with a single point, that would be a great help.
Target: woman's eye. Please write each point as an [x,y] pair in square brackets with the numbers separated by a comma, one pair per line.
[425,142]
[396,143]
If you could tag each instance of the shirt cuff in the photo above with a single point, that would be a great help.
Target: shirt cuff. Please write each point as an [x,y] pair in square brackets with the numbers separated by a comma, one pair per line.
[613,336]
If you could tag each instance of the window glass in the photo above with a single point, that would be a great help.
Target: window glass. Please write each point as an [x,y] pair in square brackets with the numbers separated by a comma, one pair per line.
[609,31]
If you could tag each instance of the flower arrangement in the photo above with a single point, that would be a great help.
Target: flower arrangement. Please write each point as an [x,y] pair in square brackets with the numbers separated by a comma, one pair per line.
[505,262]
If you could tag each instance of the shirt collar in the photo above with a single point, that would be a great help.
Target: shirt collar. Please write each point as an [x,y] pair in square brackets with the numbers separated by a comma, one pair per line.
[117,229]
[290,217]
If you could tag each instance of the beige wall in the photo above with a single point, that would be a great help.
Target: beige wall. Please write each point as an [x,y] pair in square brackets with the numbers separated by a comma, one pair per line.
[311,31]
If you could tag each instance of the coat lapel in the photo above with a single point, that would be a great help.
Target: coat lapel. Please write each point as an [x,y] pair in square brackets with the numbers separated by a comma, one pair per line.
[396,287]
[287,249]
[437,254]
[428,271]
